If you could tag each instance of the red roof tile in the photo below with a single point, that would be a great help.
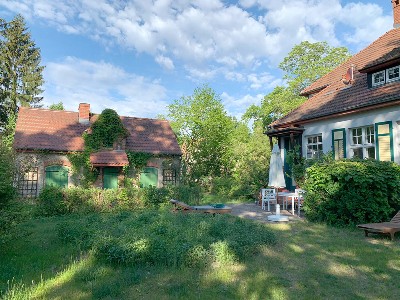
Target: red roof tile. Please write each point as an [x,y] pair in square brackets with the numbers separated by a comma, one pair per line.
[109,158]
[44,129]
[334,97]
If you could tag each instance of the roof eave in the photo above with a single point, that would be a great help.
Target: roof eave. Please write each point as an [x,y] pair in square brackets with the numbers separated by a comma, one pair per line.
[338,114]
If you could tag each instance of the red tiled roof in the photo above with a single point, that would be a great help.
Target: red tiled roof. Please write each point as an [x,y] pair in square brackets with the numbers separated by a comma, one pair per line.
[44,129]
[109,158]
[333,97]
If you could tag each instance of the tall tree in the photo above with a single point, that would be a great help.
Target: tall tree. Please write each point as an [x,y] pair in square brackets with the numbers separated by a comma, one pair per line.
[203,129]
[307,62]
[304,64]
[20,69]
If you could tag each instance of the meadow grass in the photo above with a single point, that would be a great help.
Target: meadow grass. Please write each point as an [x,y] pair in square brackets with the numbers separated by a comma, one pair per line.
[309,261]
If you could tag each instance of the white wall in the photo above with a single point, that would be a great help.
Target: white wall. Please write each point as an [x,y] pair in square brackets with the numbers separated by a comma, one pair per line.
[354,120]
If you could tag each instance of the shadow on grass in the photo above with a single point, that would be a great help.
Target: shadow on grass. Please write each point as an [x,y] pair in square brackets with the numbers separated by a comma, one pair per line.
[310,261]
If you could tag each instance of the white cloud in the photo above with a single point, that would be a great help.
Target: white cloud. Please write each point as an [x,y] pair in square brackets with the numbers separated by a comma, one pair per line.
[236,106]
[102,85]
[166,62]
[209,35]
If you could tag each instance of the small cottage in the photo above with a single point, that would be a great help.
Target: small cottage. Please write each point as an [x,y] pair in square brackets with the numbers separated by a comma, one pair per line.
[45,140]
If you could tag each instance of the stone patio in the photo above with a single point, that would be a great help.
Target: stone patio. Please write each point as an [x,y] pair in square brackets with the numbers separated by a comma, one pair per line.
[253,211]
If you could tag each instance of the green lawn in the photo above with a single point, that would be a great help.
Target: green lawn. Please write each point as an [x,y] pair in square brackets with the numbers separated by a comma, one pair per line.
[309,261]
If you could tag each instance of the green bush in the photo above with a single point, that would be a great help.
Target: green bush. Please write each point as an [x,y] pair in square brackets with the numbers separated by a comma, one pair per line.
[352,192]
[163,238]
[51,202]
[57,201]
[7,172]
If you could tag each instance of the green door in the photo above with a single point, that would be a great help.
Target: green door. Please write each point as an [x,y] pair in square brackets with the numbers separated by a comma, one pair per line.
[57,176]
[149,177]
[110,178]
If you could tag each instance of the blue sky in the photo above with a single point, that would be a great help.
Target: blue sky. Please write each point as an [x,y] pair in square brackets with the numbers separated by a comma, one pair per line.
[139,56]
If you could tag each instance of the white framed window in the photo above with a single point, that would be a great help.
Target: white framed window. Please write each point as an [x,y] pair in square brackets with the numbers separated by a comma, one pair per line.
[378,78]
[314,146]
[363,142]
[393,74]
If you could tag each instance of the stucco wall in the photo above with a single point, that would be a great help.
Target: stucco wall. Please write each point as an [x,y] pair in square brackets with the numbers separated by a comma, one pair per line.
[325,128]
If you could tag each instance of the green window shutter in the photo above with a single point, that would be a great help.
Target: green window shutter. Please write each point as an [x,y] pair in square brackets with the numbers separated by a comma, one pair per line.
[339,143]
[110,178]
[384,141]
[149,177]
[57,176]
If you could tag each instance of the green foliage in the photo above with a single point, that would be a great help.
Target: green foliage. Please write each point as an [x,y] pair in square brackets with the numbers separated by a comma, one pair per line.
[299,164]
[57,106]
[352,191]
[7,137]
[162,238]
[275,105]
[20,70]
[307,62]
[57,201]
[106,130]
[51,202]
[7,173]
[11,215]
[203,130]
[83,172]
[137,160]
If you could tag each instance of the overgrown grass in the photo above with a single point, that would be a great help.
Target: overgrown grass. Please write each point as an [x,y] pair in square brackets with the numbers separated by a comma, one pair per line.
[309,261]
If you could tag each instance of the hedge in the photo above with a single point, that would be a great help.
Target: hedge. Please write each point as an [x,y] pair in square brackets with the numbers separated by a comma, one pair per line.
[351,192]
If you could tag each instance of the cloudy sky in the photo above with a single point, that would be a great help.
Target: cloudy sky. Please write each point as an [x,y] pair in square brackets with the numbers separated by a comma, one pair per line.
[137,56]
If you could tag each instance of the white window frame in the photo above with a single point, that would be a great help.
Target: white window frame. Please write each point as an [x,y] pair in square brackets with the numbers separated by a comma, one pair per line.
[387,74]
[314,154]
[365,144]
[377,73]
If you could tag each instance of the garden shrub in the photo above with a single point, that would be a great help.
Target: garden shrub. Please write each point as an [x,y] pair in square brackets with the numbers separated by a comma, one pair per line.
[56,201]
[7,172]
[51,202]
[351,192]
[162,238]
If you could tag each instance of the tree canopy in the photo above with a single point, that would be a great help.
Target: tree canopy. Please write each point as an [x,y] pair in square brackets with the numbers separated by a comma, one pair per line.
[20,69]
[203,128]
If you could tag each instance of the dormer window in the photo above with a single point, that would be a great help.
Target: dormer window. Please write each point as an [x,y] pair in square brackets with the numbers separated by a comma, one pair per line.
[386,76]
[393,74]
[378,78]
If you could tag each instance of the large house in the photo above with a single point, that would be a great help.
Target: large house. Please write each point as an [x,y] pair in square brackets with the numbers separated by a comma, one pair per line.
[44,139]
[353,111]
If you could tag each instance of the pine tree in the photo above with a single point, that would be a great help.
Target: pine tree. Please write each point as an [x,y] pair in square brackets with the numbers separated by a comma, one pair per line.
[20,70]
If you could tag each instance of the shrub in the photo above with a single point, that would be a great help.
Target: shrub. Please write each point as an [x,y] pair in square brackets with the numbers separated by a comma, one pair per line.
[51,202]
[352,191]
[7,172]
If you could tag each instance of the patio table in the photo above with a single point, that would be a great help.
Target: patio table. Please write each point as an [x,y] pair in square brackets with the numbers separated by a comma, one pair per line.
[292,196]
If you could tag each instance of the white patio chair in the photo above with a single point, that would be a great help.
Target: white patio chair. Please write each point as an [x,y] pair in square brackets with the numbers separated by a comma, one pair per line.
[269,196]
[300,199]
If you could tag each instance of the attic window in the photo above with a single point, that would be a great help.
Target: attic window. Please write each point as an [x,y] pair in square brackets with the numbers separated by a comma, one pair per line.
[393,74]
[386,76]
[378,78]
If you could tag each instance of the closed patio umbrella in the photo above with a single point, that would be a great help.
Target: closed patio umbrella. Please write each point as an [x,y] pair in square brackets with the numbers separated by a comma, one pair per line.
[276,176]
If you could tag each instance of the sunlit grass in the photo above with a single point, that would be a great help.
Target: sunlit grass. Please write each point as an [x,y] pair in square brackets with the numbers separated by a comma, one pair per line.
[310,261]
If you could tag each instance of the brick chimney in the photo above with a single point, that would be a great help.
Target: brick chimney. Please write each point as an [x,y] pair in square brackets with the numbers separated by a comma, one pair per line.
[84,111]
[396,13]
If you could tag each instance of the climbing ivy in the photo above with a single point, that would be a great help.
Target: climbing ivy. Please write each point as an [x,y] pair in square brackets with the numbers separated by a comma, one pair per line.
[137,160]
[106,130]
